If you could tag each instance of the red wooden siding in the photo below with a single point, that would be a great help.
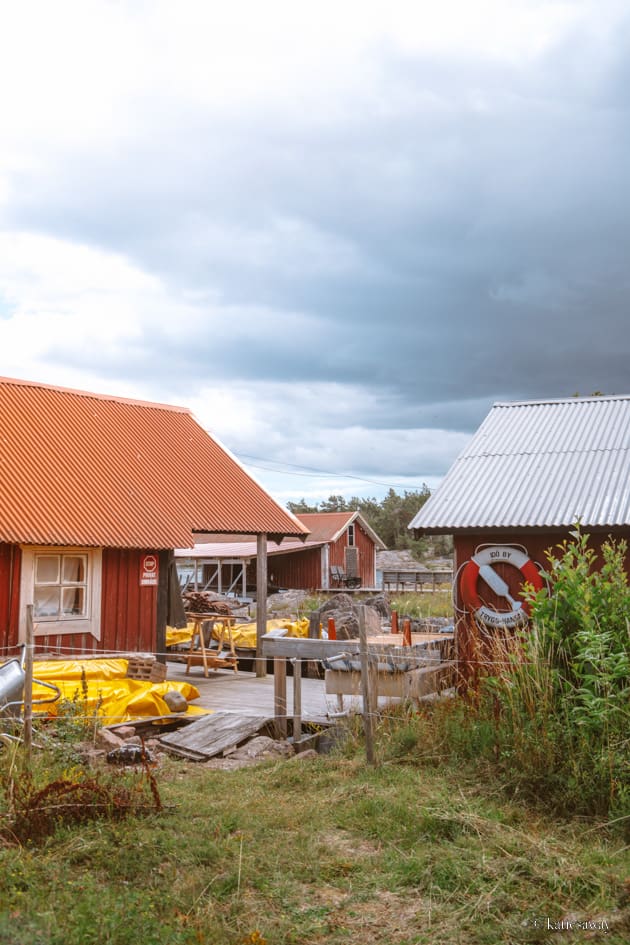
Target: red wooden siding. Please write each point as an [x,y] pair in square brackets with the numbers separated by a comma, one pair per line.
[472,646]
[128,611]
[10,564]
[302,569]
[367,555]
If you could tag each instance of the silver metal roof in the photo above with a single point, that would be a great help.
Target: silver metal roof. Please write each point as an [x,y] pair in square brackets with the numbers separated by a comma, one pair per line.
[539,464]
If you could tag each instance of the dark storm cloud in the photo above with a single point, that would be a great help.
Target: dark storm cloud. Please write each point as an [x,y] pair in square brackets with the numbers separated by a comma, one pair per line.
[456,234]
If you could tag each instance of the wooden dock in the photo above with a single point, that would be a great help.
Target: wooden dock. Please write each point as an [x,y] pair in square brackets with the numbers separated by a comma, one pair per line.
[247,694]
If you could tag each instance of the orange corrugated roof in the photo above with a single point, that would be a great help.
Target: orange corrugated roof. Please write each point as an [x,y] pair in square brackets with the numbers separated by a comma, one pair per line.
[78,468]
[328,526]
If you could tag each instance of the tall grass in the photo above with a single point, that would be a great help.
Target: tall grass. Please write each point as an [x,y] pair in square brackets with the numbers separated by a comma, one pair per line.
[551,712]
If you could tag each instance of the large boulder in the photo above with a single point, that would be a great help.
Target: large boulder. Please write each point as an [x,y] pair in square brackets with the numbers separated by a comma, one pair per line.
[381,605]
[337,602]
[346,617]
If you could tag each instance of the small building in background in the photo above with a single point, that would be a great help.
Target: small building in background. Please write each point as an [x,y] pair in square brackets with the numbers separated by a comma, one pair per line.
[340,551]
[95,493]
[532,471]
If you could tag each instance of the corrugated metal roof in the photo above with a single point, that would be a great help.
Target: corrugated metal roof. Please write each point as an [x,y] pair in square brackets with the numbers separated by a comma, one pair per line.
[88,469]
[539,464]
[328,526]
[243,549]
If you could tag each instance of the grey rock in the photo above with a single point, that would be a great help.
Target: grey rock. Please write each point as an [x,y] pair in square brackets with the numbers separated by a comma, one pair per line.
[175,701]
[107,740]
[381,605]
[337,602]
[130,755]
[262,747]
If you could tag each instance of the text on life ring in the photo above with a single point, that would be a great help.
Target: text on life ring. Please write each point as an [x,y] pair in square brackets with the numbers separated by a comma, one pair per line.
[480,567]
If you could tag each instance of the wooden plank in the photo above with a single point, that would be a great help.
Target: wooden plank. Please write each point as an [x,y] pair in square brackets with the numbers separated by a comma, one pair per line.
[297,700]
[213,734]
[280,696]
[366,690]
[261,602]
[305,648]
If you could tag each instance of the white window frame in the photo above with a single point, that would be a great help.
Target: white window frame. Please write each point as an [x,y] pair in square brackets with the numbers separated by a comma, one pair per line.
[91,623]
[351,535]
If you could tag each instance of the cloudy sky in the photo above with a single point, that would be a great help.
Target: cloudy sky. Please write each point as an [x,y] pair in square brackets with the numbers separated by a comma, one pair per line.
[338,231]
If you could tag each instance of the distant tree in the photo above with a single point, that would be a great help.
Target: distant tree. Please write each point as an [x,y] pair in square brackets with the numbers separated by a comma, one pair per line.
[389,517]
[335,503]
[301,506]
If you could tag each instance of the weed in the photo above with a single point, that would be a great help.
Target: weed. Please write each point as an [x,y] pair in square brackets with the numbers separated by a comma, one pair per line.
[35,810]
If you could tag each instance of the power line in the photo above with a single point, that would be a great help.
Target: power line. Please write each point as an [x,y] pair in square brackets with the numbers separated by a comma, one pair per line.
[316,473]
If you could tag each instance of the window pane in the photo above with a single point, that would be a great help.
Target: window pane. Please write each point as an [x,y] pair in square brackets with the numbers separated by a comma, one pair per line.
[46,602]
[73,601]
[73,569]
[47,569]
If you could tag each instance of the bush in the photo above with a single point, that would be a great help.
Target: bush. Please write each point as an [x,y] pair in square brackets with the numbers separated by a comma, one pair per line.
[553,715]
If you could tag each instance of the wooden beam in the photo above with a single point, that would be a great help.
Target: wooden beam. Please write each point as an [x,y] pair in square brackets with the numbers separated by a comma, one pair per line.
[28,685]
[366,689]
[261,601]
[280,696]
[161,614]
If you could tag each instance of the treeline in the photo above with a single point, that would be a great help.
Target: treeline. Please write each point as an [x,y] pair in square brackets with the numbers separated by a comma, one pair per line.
[389,517]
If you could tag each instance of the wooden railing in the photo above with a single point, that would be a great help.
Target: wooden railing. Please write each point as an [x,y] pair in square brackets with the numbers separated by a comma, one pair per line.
[415,580]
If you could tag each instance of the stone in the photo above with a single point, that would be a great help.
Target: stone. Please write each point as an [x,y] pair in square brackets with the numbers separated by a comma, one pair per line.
[262,747]
[125,731]
[381,605]
[346,625]
[347,622]
[337,602]
[107,740]
[175,701]
[130,755]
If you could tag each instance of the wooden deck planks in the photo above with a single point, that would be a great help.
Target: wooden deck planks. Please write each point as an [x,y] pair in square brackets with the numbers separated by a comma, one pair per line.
[213,734]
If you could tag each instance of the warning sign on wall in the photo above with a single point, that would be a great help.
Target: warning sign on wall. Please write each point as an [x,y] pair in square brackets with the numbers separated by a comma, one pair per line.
[149,571]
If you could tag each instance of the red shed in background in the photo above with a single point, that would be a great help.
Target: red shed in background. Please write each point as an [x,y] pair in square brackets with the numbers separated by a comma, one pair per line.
[341,547]
[95,493]
[531,472]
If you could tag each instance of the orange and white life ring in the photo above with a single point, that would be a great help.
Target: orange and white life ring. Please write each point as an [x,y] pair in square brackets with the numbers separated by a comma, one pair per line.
[481,566]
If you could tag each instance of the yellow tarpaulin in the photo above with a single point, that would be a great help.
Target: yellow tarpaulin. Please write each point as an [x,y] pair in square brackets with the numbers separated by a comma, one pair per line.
[244,634]
[121,699]
[174,636]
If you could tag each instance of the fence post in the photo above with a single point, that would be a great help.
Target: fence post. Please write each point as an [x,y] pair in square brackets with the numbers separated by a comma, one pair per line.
[366,688]
[28,685]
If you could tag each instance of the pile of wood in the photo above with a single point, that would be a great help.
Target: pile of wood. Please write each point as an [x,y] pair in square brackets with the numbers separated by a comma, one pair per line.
[201,602]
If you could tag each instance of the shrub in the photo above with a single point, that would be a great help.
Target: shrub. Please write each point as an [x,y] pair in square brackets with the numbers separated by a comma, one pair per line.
[553,714]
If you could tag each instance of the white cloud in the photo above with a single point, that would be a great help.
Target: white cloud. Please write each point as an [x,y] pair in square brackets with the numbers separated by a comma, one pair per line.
[196,195]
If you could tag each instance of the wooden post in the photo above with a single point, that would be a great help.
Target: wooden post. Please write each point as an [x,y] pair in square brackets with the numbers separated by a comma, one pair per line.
[406,633]
[394,621]
[332,630]
[28,685]
[366,688]
[261,602]
[164,559]
[280,695]
[297,699]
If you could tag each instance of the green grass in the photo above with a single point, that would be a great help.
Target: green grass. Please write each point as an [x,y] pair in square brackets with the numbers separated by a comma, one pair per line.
[319,851]
[428,604]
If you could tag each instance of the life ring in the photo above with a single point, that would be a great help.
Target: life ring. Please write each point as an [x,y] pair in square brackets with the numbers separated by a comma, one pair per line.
[480,565]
